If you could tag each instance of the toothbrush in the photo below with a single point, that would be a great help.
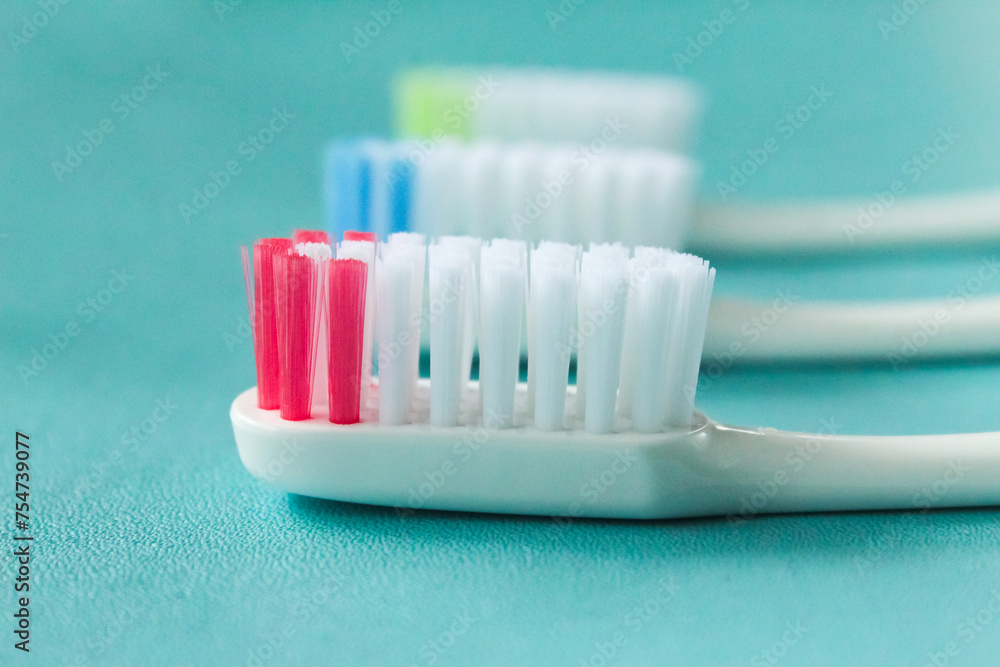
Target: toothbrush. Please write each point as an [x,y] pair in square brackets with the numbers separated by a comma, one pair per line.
[663,113]
[625,442]
[886,220]
[547,105]
[643,198]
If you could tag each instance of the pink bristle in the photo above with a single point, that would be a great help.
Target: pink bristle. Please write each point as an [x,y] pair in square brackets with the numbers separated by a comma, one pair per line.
[310,236]
[360,236]
[295,285]
[347,285]
[265,322]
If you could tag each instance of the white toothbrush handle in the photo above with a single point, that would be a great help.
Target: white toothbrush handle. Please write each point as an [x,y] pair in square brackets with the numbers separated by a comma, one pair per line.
[745,472]
[886,219]
[709,470]
[893,332]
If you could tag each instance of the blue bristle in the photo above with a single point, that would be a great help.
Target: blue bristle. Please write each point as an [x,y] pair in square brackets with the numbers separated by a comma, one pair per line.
[347,187]
[399,195]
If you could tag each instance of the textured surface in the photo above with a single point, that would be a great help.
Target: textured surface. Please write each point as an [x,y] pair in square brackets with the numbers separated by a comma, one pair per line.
[166,552]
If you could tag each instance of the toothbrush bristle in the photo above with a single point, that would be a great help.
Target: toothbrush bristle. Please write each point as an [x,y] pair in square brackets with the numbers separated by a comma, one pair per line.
[555,274]
[411,247]
[265,320]
[563,192]
[347,284]
[451,275]
[356,245]
[601,316]
[394,312]
[295,283]
[635,320]
[310,236]
[503,271]
[351,235]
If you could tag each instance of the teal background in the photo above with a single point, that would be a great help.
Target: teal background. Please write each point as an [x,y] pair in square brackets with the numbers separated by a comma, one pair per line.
[168,552]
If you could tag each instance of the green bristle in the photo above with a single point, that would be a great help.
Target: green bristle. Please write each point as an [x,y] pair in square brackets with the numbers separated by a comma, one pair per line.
[428,103]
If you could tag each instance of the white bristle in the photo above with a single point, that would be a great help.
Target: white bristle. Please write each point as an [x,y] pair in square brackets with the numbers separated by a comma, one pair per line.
[519,182]
[436,189]
[603,299]
[451,273]
[635,320]
[483,200]
[696,280]
[652,307]
[544,255]
[595,197]
[316,251]
[570,193]
[503,276]
[364,251]
[555,273]
[555,194]
[472,246]
[632,198]
[557,105]
[413,247]
[671,201]
[407,239]
[394,314]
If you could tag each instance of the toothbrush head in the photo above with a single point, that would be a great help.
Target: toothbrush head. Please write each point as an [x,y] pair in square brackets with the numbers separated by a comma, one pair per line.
[547,105]
[310,236]
[559,192]
[634,319]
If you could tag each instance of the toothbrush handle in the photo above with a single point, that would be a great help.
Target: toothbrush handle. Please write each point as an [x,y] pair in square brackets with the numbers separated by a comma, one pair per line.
[743,472]
[839,225]
[891,332]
